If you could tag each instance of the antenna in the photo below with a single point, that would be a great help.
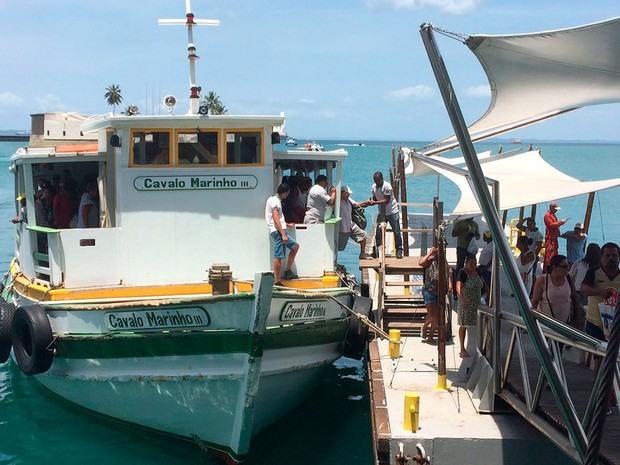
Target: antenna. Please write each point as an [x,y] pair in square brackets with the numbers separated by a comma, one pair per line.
[190,22]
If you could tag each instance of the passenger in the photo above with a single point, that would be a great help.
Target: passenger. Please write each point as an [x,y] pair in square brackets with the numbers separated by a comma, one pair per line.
[383,195]
[41,203]
[578,271]
[88,211]
[469,287]
[304,183]
[484,262]
[63,207]
[575,243]
[281,241]
[430,290]
[22,216]
[601,284]
[318,200]
[554,293]
[552,232]
[534,240]
[525,262]
[464,230]
[347,227]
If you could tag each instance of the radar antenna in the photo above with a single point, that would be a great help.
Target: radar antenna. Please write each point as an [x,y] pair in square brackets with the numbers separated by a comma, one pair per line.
[190,22]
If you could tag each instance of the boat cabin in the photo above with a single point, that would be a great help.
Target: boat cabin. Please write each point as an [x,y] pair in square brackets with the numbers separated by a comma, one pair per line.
[176,195]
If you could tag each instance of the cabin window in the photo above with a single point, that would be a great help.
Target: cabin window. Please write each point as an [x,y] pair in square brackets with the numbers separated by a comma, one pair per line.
[244,148]
[197,148]
[150,148]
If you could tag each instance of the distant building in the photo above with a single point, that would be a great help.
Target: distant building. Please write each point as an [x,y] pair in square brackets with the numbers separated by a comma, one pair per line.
[50,129]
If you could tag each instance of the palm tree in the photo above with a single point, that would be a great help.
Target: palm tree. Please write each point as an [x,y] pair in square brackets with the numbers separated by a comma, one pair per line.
[213,102]
[113,96]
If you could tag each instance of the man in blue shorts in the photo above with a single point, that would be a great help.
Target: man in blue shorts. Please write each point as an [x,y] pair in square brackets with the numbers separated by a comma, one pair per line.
[281,241]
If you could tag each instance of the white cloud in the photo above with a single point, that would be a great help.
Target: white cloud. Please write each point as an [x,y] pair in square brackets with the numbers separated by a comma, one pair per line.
[7,98]
[456,7]
[308,101]
[478,91]
[49,102]
[418,92]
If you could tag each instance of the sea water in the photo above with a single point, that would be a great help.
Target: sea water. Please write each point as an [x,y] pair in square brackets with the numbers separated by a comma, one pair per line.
[333,425]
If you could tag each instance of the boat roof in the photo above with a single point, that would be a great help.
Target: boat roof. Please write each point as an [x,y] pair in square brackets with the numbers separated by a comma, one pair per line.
[540,75]
[181,121]
[518,187]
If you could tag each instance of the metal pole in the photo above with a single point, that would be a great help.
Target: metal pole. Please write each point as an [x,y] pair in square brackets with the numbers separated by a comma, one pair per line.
[439,242]
[502,248]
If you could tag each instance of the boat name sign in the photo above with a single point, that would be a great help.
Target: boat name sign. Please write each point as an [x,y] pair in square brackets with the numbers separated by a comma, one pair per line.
[304,310]
[214,182]
[148,320]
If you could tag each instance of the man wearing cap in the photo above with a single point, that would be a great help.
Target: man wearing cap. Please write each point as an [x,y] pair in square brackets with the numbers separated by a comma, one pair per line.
[552,232]
[347,227]
[575,243]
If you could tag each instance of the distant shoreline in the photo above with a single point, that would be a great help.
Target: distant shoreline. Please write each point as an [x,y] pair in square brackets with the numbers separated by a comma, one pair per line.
[14,138]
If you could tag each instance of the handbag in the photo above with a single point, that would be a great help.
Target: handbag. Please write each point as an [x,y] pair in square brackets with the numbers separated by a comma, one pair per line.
[358,216]
[607,309]
[472,248]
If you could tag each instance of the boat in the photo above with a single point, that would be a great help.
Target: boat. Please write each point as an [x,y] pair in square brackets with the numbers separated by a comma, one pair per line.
[314,147]
[516,141]
[291,141]
[163,314]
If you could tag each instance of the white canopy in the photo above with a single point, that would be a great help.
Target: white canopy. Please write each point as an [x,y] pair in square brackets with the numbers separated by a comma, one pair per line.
[538,76]
[539,182]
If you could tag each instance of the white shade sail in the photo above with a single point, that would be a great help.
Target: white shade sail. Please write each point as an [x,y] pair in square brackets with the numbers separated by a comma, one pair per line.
[538,76]
[518,186]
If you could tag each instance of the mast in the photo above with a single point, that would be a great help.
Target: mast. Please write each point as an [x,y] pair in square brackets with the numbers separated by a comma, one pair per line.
[190,22]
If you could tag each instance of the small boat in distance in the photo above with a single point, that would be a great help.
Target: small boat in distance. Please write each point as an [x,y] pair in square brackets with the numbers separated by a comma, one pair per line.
[314,147]
[516,140]
[291,142]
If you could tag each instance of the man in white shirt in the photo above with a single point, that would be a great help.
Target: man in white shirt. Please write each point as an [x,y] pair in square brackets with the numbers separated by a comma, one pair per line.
[382,195]
[281,241]
[318,199]
[347,227]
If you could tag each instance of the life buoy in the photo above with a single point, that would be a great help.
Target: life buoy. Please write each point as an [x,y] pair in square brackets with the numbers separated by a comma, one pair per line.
[356,339]
[32,337]
[6,322]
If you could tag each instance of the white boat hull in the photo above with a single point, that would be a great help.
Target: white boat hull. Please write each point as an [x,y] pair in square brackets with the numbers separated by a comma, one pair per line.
[217,384]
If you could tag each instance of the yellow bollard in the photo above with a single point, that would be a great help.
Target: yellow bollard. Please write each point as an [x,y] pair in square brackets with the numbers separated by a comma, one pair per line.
[394,343]
[442,384]
[411,420]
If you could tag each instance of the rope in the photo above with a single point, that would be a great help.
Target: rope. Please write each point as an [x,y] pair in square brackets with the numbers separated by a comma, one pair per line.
[608,366]
[452,35]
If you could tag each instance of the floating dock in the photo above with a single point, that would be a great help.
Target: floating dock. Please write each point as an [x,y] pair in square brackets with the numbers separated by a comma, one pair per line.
[453,420]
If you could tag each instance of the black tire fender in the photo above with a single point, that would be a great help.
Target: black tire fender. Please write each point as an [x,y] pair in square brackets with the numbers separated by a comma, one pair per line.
[356,339]
[7,311]
[32,339]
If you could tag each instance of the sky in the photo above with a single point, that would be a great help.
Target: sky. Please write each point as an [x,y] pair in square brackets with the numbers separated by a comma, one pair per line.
[338,69]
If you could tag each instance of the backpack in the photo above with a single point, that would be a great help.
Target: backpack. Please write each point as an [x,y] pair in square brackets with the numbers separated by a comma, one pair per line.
[358,216]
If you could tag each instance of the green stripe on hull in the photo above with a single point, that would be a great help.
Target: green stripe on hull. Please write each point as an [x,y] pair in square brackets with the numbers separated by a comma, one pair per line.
[130,345]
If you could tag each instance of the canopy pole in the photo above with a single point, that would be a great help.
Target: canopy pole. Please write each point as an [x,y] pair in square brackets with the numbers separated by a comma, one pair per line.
[588,216]
[502,247]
